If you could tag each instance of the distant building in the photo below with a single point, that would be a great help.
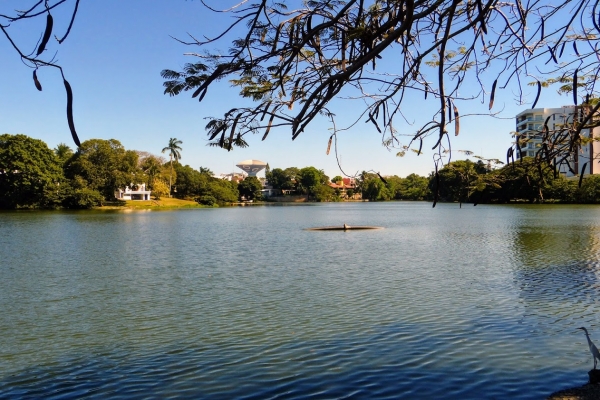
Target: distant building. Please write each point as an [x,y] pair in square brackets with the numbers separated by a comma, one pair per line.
[529,126]
[133,192]
[343,186]
[252,167]
[232,177]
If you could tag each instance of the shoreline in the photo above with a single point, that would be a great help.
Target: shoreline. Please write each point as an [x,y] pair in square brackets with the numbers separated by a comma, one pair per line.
[586,392]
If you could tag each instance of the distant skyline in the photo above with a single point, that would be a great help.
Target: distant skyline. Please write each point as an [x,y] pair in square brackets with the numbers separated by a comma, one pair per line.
[113,60]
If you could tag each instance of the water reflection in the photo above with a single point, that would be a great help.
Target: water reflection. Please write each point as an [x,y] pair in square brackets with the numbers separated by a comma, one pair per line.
[235,303]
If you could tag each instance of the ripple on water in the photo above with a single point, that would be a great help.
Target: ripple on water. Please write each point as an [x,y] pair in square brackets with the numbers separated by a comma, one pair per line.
[443,303]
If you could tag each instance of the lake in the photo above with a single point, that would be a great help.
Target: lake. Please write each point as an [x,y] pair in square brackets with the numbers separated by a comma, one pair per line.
[244,303]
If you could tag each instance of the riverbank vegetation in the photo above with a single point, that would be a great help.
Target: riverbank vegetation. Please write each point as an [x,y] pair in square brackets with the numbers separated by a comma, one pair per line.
[462,181]
[34,176]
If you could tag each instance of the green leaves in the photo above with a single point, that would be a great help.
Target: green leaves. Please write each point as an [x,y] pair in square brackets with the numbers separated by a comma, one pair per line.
[29,173]
[191,77]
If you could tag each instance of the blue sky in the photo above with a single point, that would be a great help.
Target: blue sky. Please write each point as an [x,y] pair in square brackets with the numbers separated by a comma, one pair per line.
[113,60]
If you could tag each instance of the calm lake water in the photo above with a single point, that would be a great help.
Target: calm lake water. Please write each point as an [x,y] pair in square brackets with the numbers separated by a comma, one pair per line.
[243,303]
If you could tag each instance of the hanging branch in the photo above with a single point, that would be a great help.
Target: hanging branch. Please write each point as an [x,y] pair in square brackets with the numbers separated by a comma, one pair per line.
[35,60]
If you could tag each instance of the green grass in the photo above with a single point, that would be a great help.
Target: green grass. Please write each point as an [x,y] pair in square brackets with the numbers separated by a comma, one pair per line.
[163,203]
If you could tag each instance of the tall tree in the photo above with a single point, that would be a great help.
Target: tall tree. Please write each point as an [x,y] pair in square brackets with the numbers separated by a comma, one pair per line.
[151,165]
[250,188]
[206,171]
[174,153]
[104,165]
[414,187]
[30,173]
[310,178]
[63,152]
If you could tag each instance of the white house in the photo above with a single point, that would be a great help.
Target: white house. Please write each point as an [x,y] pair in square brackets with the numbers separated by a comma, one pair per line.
[133,192]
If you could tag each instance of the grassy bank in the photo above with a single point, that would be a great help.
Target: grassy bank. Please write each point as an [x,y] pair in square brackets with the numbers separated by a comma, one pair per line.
[164,203]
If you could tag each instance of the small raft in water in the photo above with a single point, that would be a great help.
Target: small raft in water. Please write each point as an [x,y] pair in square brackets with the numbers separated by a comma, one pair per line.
[343,228]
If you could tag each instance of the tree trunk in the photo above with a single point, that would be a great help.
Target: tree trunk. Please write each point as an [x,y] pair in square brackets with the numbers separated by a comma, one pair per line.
[171,175]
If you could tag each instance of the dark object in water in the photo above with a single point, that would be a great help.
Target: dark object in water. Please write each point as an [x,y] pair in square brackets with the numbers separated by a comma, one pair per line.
[343,228]
[594,376]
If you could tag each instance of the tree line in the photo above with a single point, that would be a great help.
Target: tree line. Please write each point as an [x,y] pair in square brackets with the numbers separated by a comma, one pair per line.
[462,181]
[313,183]
[34,176]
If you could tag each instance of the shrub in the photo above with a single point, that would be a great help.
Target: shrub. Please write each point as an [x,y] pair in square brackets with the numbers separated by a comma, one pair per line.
[83,198]
[206,200]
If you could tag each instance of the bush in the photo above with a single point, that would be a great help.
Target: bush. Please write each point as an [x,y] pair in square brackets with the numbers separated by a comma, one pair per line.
[160,189]
[206,200]
[83,198]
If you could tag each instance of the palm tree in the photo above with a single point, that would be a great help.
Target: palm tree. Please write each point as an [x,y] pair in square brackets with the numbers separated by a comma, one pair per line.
[63,152]
[173,149]
[206,171]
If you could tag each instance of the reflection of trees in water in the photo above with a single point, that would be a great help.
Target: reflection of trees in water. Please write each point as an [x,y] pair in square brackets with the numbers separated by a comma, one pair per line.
[557,265]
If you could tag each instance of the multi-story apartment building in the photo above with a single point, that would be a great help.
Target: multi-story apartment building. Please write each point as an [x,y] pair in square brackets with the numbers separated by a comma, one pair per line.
[529,136]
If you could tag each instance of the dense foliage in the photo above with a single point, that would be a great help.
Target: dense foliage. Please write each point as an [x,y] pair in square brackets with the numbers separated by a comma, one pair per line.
[30,173]
[250,188]
[462,181]
[526,180]
[308,181]
[34,176]
[104,166]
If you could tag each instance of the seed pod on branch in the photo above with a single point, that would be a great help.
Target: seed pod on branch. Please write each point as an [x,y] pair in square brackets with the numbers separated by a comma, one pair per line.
[575,86]
[47,33]
[493,94]
[539,91]
[235,122]
[37,83]
[329,144]
[562,48]
[552,56]
[456,121]
[436,192]
[277,33]
[343,50]
[582,173]
[482,16]
[265,110]
[70,112]
[269,126]
[374,123]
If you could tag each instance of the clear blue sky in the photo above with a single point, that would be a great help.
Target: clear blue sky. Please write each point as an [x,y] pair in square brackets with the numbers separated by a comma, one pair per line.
[113,60]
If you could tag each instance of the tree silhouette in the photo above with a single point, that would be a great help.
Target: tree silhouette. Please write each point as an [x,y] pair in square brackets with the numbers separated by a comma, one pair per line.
[293,62]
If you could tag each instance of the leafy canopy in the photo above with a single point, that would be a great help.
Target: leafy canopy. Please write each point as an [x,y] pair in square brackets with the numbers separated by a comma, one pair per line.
[292,59]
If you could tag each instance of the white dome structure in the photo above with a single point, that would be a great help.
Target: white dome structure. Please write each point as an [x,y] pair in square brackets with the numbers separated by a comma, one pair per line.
[252,167]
